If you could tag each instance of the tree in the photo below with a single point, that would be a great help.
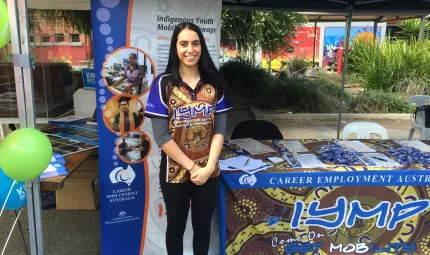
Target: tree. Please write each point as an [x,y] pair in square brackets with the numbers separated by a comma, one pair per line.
[271,31]
[75,19]
[78,20]
[410,29]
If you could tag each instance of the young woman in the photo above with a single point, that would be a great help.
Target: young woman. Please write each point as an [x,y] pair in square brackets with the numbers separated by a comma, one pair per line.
[133,74]
[187,107]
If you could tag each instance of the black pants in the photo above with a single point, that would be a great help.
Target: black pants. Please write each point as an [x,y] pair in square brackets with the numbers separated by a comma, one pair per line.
[177,199]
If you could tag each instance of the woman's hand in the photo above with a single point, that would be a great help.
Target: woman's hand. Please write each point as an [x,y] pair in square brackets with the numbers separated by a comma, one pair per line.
[195,169]
[200,176]
[129,88]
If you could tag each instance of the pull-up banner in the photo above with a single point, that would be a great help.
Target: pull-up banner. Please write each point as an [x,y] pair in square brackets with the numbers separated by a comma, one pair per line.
[131,47]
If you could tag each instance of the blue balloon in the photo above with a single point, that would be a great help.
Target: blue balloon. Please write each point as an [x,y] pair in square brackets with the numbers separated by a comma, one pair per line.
[18,196]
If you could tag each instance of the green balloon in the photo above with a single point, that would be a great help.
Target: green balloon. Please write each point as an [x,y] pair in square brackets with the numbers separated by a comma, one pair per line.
[25,154]
[4,24]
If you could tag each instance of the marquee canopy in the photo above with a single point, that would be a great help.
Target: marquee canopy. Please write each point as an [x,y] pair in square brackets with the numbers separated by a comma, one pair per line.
[376,7]
[362,9]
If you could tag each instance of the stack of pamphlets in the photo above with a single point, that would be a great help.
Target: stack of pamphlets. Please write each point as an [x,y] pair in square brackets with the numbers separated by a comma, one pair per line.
[290,146]
[243,163]
[355,146]
[55,168]
[377,159]
[247,146]
[304,160]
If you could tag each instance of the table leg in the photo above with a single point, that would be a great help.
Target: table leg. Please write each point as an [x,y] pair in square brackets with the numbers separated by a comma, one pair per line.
[222,218]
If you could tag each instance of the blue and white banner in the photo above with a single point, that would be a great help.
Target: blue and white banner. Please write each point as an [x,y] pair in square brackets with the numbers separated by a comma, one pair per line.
[331,178]
[89,78]
[132,39]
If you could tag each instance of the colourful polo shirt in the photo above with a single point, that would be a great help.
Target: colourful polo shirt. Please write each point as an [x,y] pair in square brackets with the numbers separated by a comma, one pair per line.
[191,115]
[132,75]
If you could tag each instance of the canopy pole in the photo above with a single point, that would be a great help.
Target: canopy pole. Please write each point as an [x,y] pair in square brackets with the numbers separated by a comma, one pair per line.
[315,43]
[375,30]
[18,20]
[422,28]
[345,61]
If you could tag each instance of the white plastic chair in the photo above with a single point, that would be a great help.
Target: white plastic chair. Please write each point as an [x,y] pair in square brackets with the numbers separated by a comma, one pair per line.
[364,129]
[419,123]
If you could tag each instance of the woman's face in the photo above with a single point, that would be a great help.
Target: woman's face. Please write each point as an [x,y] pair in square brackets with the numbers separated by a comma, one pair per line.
[132,59]
[188,48]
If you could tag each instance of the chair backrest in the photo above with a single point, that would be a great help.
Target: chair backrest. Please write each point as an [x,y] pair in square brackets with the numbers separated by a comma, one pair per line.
[364,129]
[418,100]
[257,129]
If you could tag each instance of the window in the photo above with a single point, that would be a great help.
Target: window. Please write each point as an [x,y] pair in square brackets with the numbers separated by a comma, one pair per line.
[75,38]
[59,38]
[31,38]
[46,38]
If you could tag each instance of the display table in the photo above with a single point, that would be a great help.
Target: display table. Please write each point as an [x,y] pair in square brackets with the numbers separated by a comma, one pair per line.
[76,151]
[286,210]
[73,162]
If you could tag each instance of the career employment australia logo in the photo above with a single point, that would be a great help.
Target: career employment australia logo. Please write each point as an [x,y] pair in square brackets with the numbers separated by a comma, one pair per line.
[248,180]
[122,175]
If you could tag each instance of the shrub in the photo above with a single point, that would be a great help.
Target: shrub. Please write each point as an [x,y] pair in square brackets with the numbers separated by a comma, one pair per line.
[298,65]
[78,82]
[412,86]
[377,102]
[382,67]
[302,95]
[246,79]
[297,94]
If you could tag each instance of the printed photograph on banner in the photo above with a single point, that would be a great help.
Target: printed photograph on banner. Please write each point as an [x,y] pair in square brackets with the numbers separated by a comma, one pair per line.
[133,147]
[123,114]
[128,71]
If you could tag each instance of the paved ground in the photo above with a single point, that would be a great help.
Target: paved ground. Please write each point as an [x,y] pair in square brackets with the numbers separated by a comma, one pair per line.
[77,232]
[293,129]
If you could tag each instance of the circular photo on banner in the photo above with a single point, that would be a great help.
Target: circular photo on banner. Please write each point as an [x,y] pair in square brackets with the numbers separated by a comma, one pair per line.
[133,147]
[128,71]
[123,114]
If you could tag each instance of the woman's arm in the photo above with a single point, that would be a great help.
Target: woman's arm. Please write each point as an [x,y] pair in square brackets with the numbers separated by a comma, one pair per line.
[165,142]
[139,81]
[216,147]
[201,176]
[175,153]
[119,81]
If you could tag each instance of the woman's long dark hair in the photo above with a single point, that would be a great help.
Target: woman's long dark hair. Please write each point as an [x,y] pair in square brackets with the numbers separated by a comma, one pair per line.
[207,68]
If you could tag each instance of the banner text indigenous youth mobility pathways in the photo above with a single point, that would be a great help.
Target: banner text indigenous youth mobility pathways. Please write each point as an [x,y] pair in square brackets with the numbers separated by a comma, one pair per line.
[172,21]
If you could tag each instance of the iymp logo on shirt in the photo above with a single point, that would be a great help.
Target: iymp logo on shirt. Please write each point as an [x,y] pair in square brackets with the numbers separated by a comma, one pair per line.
[122,175]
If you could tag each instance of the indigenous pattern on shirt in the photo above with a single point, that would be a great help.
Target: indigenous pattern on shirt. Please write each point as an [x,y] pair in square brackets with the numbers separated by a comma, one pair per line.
[191,116]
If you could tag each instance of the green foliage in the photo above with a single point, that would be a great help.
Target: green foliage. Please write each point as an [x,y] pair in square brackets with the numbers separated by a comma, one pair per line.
[246,79]
[377,102]
[410,29]
[6,55]
[78,20]
[272,31]
[412,86]
[383,67]
[268,92]
[301,95]
[78,82]
[304,95]
[298,65]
